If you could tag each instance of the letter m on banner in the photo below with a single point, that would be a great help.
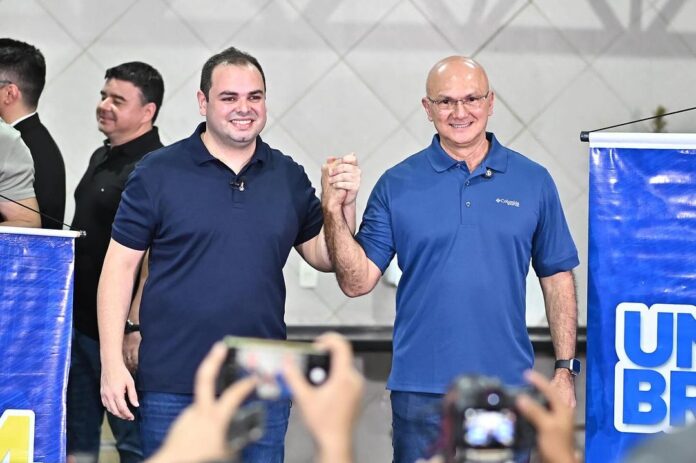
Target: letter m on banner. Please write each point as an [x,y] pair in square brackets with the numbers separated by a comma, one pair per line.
[36,292]
[17,436]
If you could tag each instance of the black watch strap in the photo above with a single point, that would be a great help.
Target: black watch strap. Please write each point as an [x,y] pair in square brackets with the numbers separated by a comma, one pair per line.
[131,327]
[573,365]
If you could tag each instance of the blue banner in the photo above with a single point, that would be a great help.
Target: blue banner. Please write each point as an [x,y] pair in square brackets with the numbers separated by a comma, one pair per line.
[36,287]
[641,324]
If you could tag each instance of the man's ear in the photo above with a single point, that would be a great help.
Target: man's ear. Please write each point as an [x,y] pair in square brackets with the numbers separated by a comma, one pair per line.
[491,100]
[10,94]
[202,103]
[425,102]
[150,110]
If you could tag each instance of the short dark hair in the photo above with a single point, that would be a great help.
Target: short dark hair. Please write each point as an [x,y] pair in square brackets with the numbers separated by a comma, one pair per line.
[231,56]
[25,66]
[145,77]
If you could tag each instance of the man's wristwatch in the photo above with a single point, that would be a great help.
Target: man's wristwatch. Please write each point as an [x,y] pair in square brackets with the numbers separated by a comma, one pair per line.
[573,365]
[131,327]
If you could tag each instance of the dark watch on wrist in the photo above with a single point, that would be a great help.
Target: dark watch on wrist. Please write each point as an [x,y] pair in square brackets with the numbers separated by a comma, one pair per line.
[131,327]
[573,365]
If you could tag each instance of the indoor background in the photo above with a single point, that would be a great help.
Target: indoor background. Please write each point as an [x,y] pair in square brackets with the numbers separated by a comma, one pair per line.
[348,75]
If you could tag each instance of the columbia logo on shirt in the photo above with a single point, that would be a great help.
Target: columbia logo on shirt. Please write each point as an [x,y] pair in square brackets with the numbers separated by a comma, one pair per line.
[508,202]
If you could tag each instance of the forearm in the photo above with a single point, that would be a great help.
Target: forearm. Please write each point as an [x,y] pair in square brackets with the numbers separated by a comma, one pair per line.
[322,260]
[134,312]
[113,305]
[21,223]
[561,312]
[349,215]
[19,214]
[112,312]
[349,259]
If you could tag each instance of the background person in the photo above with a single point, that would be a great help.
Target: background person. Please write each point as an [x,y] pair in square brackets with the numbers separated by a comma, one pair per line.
[22,79]
[16,181]
[130,101]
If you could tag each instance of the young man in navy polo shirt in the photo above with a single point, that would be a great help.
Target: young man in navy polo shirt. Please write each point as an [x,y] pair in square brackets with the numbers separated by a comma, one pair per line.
[220,212]
[465,217]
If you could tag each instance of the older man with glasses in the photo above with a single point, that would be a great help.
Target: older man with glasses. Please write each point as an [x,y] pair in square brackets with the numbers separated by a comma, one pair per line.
[465,216]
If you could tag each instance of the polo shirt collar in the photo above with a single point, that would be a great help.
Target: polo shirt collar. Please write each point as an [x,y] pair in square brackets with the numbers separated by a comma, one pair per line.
[135,147]
[201,155]
[23,118]
[496,159]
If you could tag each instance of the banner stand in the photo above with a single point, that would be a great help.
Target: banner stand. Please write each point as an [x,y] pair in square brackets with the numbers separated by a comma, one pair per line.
[36,293]
[641,325]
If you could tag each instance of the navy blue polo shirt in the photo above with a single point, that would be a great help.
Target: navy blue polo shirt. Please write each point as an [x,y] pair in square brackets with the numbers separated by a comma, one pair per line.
[464,241]
[217,251]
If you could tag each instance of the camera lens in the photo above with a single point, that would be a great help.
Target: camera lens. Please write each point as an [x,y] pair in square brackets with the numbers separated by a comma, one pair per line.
[317,375]
[493,399]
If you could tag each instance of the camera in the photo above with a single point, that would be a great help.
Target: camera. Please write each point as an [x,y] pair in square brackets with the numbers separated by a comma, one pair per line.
[265,358]
[481,422]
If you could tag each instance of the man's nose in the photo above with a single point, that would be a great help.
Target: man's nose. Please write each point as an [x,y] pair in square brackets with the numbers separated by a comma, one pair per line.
[104,104]
[243,106]
[460,109]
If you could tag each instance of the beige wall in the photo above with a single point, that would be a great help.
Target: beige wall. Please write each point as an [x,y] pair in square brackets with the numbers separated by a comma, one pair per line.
[348,75]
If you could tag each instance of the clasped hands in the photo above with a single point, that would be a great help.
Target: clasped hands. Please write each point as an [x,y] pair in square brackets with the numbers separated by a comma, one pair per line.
[340,181]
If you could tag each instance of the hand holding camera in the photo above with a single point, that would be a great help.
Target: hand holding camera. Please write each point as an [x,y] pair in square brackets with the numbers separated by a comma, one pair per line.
[484,420]
[200,432]
[331,409]
[554,424]
[265,359]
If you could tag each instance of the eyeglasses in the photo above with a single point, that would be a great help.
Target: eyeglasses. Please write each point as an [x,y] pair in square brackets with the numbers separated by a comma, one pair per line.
[5,82]
[450,104]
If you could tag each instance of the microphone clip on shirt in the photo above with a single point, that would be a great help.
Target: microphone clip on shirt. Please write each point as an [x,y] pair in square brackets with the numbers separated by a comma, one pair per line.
[238,184]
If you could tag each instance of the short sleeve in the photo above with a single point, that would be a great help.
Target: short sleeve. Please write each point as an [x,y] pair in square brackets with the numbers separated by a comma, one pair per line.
[553,249]
[312,215]
[135,222]
[17,170]
[375,234]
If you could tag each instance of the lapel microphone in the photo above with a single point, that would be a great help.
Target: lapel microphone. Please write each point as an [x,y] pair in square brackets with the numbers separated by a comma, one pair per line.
[238,184]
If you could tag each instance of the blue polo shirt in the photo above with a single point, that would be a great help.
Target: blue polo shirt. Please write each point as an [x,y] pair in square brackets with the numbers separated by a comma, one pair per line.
[464,241]
[217,251]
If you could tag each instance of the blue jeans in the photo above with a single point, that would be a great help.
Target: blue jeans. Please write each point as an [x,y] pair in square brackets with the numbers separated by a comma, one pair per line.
[415,425]
[416,421]
[158,410]
[85,412]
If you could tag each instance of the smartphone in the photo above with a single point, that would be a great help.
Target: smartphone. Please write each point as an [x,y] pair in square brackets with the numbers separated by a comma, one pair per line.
[265,358]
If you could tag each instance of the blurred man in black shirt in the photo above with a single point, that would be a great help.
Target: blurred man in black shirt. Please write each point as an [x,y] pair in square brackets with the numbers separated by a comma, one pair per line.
[130,100]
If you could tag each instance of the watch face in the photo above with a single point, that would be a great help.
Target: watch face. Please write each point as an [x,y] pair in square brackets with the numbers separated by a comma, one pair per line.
[573,365]
[131,327]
